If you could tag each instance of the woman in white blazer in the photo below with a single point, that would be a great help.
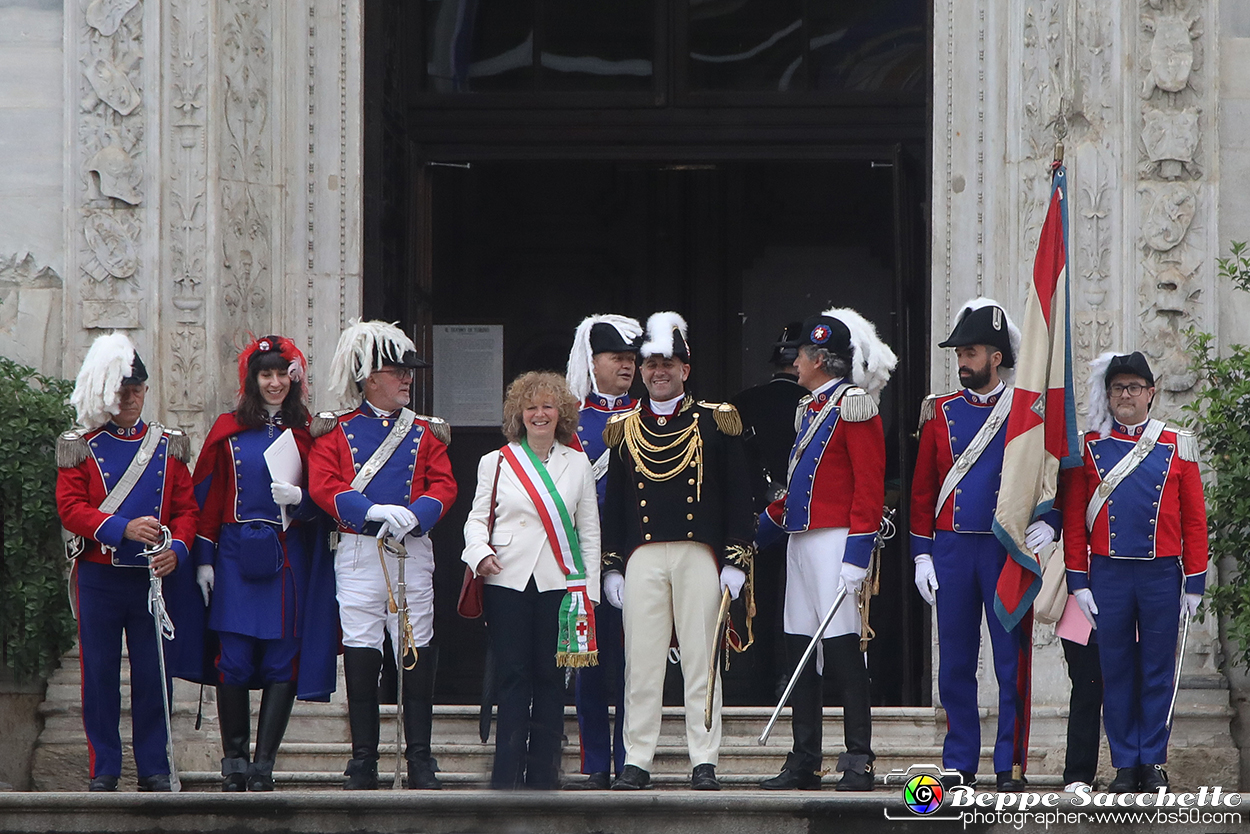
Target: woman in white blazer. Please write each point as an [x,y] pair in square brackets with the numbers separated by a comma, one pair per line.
[525,584]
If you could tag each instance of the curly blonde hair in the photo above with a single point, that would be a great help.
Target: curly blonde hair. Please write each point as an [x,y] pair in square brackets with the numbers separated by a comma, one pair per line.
[527,388]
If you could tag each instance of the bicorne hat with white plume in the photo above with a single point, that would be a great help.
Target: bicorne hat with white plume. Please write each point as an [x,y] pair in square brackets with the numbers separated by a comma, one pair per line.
[1101,370]
[872,361]
[111,362]
[366,347]
[598,334]
[983,321]
[666,336]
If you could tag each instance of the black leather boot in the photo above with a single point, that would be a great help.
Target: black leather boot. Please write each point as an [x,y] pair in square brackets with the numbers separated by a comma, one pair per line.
[275,712]
[844,663]
[806,704]
[234,709]
[419,719]
[360,668]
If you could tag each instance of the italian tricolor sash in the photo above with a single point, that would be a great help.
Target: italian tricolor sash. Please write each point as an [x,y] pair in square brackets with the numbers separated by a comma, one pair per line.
[576,645]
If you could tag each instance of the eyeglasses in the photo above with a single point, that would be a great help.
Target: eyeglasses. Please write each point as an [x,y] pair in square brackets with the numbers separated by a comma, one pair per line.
[1133,389]
[402,374]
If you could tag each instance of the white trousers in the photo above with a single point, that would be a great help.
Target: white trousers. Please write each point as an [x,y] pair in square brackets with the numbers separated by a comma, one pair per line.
[813,574]
[667,585]
[361,591]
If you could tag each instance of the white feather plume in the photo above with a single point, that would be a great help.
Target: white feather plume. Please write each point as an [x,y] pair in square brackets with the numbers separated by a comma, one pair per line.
[1007,375]
[580,373]
[96,395]
[354,357]
[1098,417]
[872,360]
[660,328]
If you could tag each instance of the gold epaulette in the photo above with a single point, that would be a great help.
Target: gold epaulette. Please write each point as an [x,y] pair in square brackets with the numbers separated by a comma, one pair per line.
[728,420]
[1187,445]
[325,421]
[71,449]
[928,408]
[438,427]
[856,406]
[614,431]
[179,443]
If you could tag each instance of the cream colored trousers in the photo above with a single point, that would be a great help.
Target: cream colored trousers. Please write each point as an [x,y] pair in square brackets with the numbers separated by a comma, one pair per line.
[667,585]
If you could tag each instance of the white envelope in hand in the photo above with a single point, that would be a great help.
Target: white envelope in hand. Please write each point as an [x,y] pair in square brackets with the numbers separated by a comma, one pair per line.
[282,458]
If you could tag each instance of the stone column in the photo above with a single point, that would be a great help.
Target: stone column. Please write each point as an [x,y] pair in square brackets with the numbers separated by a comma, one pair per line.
[1129,88]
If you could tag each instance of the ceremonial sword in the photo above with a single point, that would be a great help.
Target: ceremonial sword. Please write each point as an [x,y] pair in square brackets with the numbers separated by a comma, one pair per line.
[1176,684]
[713,664]
[164,631]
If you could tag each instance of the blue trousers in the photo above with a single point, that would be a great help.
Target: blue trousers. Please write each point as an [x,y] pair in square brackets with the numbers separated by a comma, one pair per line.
[1139,609]
[967,567]
[599,687]
[113,601]
[252,662]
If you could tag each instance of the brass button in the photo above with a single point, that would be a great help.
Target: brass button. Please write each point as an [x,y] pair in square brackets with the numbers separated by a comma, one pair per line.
[689,499]
[689,516]
[647,537]
[646,520]
[690,535]
[693,464]
[691,481]
[640,484]
[642,503]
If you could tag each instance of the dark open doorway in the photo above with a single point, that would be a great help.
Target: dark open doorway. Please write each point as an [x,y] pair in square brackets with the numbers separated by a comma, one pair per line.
[737,208]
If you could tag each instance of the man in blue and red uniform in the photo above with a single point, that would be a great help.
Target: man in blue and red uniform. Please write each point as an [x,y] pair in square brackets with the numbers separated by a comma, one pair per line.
[119,481]
[382,472]
[600,370]
[954,495]
[1135,544]
[831,511]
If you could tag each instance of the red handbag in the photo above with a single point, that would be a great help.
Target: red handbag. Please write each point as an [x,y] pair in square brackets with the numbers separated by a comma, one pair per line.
[469,605]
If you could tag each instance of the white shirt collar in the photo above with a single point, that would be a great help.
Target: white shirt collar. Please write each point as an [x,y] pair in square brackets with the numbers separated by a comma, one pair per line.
[828,386]
[667,407]
[377,412]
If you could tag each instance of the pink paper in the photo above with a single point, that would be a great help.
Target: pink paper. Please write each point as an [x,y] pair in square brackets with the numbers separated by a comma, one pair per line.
[1073,625]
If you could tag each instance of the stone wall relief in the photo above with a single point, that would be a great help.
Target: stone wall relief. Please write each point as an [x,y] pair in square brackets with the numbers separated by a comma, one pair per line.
[30,313]
[108,164]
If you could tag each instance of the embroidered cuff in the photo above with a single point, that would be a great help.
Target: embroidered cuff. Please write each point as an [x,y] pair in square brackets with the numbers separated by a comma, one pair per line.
[1196,583]
[611,561]
[1077,580]
[740,556]
[921,545]
[859,549]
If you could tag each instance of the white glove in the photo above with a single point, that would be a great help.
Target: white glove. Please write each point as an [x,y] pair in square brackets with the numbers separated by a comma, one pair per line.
[732,579]
[398,520]
[1192,601]
[204,578]
[614,588]
[284,493]
[926,578]
[1085,601]
[853,578]
[1038,535]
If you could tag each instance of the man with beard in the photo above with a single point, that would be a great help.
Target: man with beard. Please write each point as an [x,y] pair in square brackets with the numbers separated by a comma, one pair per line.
[954,495]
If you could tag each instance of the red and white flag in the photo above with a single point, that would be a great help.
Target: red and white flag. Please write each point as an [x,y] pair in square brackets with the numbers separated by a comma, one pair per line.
[1041,429]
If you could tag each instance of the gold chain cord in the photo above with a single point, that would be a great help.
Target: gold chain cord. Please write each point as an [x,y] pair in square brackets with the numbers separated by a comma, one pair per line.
[648,455]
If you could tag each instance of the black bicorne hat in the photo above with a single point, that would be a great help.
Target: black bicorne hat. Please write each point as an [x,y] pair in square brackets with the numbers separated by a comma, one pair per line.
[1134,363]
[786,349]
[138,372]
[825,332]
[409,359]
[605,338]
[986,325]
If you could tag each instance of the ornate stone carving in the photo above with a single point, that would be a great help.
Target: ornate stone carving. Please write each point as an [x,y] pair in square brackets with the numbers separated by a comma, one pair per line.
[119,177]
[111,86]
[1170,140]
[1167,212]
[106,15]
[30,313]
[1171,56]
[1042,90]
[186,370]
[112,249]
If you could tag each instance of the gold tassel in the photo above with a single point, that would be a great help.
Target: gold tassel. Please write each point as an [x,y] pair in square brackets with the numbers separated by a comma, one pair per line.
[728,420]
[577,660]
[71,449]
[614,431]
[438,427]
[857,406]
[1187,445]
